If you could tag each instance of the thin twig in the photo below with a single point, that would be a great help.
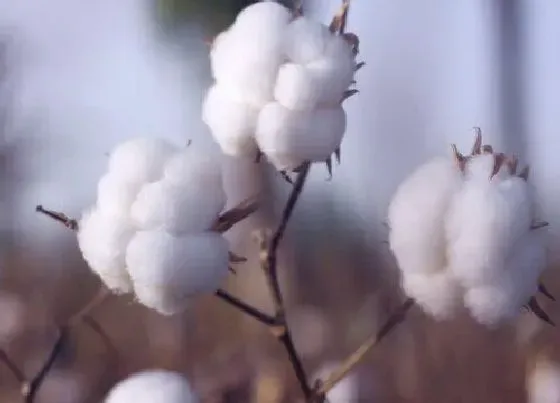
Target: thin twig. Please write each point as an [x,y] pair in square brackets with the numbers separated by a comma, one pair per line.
[30,389]
[246,308]
[354,359]
[269,252]
[14,369]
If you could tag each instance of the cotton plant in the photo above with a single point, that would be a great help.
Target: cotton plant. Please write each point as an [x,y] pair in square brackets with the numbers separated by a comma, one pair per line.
[464,232]
[151,231]
[153,386]
[280,80]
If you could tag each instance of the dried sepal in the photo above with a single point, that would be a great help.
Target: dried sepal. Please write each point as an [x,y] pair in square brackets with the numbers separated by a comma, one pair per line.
[286,177]
[511,163]
[539,224]
[231,217]
[328,163]
[477,146]
[337,155]
[359,66]
[348,93]
[339,20]
[233,258]
[68,222]
[353,40]
[537,310]
[499,160]
[487,149]
[524,174]
[546,293]
[460,159]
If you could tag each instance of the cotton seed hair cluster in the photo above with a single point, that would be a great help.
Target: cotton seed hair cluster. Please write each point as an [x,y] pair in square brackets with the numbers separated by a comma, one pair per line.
[153,386]
[149,232]
[462,231]
[279,84]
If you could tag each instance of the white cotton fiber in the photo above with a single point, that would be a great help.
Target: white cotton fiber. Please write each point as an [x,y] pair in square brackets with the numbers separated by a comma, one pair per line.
[178,208]
[502,298]
[263,14]
[152,386]
[140,160]
[416,216]
[289,138]
[102,239]
[484,222]
[231,123]
[296,88]
[166,270]
[332,79]
[115,195]
[192,165]
[437,293]
[305,40]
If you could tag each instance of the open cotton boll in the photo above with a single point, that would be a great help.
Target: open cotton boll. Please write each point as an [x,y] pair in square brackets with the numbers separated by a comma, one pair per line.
[178,208]
[416,216]
[140,160]
[483,223]
[102,240]
[166,270]
[296,88]
[289,138]
[503,298]
[115,195]
[543,383]
[437,293]
[305,40]
[231,123]
[152,386]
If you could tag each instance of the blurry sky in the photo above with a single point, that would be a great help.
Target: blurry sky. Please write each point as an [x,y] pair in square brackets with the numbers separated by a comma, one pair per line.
[92,73]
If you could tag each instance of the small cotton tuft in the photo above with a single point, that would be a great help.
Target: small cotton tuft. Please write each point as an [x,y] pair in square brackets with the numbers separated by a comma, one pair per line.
[306,40]
[140,160]
[167,270]
[102,240]
[115,195]
[153,386]
[437,293]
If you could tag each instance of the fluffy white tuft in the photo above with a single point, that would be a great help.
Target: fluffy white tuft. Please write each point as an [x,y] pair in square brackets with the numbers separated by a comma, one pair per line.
[231,122]
[102,239]
[306,40]
[289,138]
[167,270]
[296,88]
[115,195]
[416,216]
[152,386]
[140,160]
[437,293]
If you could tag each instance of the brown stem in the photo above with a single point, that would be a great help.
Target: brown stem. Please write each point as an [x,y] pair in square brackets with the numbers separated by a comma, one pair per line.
[246,308]
[269,253]
[355,358]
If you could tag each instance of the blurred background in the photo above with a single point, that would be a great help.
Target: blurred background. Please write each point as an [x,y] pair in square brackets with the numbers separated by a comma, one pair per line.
[77,77]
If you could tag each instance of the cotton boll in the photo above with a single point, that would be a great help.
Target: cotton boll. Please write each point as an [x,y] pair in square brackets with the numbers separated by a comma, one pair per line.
[305,40]
[152,386]
[181,208]
[102,239]
[484,222]
[543,383]
[296,88]
[232,123]
[115,196]
[140,160]
[437,293]
[167,270]
[289,138]
[416,216]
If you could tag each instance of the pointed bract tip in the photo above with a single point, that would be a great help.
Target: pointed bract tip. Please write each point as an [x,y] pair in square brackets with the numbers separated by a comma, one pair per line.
[546,293]
[539,312]
[524,174]
[477,146]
